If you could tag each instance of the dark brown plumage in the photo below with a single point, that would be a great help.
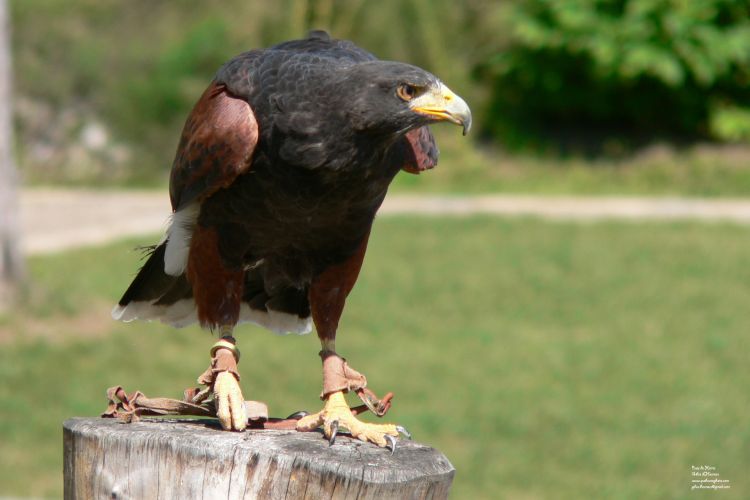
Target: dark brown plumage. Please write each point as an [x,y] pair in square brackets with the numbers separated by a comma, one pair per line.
[279,172]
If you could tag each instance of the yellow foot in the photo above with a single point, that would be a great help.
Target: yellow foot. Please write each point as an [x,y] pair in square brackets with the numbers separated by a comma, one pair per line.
[336,414]
[230,405]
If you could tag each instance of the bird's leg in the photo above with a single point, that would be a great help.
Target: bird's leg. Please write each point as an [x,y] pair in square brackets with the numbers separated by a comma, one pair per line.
[222,379]
[327,294]
[339,378]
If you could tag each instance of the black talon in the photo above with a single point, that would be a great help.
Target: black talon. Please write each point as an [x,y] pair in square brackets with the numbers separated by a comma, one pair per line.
[297,415]
[392,441]
[334,431]
[403,431]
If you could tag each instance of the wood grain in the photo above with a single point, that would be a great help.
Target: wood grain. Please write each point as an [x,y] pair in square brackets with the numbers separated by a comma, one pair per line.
[164,459]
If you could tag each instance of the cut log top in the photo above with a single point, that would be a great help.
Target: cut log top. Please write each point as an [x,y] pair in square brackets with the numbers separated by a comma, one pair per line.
[193,459]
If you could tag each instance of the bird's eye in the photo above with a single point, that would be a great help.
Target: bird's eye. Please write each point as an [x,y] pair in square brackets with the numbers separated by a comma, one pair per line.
[406,92]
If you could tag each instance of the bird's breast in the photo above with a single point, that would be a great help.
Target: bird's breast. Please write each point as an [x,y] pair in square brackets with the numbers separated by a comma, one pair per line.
[294,215]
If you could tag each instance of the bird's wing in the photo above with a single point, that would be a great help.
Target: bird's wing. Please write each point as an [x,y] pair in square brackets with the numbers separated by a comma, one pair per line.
[419,151]
[216,146]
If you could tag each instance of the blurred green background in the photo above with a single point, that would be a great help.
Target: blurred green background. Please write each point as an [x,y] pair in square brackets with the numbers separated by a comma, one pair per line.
[591,96]
[546,359]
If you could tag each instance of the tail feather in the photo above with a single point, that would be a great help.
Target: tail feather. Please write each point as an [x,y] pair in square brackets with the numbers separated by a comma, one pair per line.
[151,282]
[156,295]
[153,291]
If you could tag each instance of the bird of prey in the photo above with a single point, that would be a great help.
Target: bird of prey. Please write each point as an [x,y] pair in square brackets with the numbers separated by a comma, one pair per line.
[280,169]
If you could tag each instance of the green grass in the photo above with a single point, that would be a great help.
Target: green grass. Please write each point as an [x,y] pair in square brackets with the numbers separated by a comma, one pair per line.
[547,360]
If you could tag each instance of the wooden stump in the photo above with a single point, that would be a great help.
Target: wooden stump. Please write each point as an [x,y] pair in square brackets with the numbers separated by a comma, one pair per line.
[184,459]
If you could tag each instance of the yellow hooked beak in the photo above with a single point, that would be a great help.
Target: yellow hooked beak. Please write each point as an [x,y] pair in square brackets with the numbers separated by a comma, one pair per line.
[439,102]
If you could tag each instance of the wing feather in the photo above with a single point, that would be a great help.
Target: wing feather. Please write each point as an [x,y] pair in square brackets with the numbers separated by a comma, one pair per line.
[216,146]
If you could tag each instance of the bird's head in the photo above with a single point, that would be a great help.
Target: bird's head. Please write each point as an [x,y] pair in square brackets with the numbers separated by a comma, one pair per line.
[392,97]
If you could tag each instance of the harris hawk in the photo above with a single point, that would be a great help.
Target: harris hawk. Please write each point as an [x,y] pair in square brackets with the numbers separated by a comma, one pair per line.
[280,169]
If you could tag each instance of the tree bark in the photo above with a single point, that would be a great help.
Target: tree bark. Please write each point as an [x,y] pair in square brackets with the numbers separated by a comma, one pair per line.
[104,458]
[11,260]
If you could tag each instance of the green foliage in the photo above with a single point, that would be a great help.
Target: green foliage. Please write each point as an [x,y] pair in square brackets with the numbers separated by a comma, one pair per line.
[580,72]
[162,93]
[629,67]
[731,123]
[154,101]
